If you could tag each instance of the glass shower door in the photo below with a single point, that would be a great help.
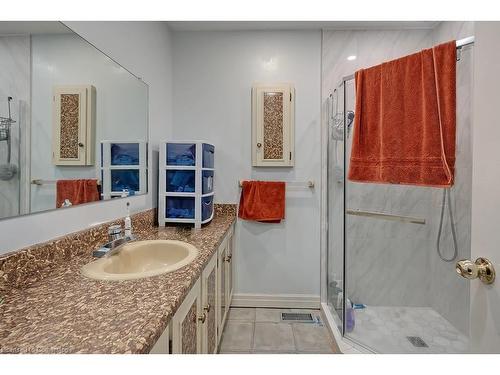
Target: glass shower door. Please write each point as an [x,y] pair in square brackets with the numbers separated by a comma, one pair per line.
[335,199]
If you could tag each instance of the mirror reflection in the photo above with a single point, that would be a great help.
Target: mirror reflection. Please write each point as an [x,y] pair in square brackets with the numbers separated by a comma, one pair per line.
[73,122]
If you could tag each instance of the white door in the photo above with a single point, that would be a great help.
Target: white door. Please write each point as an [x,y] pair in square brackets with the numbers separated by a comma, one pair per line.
[485,299]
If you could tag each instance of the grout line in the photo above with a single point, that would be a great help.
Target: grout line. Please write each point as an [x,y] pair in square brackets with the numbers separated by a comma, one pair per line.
[294,339]
[252,349]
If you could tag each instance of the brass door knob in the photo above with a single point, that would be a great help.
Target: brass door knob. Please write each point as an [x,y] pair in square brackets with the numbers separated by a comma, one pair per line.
[80,144]
[207,308]
[202,318]
[259,145]
[482,268]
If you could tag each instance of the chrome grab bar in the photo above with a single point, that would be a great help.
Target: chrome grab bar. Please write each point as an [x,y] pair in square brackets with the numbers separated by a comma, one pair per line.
[383,216]
[39,182]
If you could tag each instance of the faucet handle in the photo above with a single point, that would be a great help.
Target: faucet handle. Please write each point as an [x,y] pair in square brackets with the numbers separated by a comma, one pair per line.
[114,232]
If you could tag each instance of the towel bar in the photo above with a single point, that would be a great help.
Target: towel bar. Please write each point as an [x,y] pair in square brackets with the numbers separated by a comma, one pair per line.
[40,182]
[383,216]
[309,184]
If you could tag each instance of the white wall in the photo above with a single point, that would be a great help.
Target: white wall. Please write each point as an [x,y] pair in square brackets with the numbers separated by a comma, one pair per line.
[121,106]
[145,49]
[214,72]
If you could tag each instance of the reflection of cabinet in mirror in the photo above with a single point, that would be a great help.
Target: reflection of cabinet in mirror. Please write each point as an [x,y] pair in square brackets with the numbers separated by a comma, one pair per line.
[123,168]
[73,125]
[273,125]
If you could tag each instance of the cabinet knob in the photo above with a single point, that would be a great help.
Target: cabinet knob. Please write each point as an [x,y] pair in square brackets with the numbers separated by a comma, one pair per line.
[259,145]
[207,308]
[80,144]
[202,318]
[228,258]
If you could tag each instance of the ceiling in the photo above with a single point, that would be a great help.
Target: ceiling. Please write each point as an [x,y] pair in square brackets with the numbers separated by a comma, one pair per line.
[32,27]
[297,25]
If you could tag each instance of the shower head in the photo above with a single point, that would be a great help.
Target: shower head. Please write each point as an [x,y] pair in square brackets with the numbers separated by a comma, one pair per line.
[350,118]
[7,171]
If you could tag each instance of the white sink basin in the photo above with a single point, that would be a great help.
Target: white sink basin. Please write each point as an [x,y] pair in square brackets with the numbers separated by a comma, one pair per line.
[141,259]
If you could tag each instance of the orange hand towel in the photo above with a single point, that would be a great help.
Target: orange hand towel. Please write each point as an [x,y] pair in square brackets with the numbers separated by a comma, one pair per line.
[76,191]
[404,128]
[262,201]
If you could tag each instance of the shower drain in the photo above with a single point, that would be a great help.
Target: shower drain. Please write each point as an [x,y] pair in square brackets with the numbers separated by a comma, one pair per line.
[417,341]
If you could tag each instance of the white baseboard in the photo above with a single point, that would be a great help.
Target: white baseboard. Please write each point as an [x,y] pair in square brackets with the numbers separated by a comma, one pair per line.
[285,301]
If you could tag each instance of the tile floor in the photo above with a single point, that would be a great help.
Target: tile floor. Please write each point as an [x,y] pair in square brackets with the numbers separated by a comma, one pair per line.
[261,331]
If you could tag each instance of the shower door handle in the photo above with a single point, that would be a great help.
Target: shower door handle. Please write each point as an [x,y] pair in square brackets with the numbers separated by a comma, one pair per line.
[482,268]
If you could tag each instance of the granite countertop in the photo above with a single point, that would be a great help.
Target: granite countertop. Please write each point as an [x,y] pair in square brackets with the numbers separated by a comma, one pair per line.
[65,312]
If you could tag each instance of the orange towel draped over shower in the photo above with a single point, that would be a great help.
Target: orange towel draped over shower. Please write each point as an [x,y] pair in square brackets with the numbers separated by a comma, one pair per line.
[404,128]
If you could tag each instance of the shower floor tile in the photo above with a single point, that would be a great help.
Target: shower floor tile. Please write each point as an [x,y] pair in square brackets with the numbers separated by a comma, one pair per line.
[386,330]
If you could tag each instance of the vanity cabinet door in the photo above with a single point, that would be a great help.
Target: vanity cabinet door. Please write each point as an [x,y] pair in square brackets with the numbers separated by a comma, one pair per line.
[209,296]
[162,345]
[187,324]
[229,265]
[221,287]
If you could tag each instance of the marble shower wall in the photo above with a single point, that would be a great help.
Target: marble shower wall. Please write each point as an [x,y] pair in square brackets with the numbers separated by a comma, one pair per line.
[450,294]
[392,263]
[15,82]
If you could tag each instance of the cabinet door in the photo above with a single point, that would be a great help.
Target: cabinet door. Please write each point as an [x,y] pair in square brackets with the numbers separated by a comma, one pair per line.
[186,324]
[208,297]
[221,287]
[162,345]
[73,125]
[229,264]
[273,125]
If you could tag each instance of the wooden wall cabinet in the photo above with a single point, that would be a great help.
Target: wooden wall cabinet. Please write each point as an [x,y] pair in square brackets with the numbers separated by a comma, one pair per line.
[273,117]
[73,125]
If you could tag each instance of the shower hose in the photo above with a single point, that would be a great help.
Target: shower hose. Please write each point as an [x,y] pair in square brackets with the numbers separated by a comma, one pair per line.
[447,193]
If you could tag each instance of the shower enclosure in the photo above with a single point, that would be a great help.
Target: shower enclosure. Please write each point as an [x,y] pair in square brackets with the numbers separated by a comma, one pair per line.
[391,249]
[10,188]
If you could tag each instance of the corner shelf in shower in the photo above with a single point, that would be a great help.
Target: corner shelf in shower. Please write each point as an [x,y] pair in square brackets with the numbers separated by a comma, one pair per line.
[186,193]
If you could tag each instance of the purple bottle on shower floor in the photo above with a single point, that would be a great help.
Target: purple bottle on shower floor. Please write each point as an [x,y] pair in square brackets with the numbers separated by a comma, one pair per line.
[349,316]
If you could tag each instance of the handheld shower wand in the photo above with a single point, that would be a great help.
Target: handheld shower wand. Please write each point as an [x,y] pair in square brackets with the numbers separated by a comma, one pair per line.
[8,170]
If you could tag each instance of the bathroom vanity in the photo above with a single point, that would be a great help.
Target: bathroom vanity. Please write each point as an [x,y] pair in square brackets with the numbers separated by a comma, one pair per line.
[198,324]
[50,307]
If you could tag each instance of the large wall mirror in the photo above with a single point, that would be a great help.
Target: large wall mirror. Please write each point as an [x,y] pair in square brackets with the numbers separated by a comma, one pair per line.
[73,122]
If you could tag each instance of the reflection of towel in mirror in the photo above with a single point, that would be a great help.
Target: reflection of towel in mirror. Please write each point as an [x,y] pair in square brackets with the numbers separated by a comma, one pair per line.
[76,191]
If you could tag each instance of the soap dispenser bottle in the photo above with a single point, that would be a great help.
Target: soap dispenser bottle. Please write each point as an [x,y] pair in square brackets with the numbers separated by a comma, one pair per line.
[128,222]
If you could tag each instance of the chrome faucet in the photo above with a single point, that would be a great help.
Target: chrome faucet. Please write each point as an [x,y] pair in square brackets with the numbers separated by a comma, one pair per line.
[116,240]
